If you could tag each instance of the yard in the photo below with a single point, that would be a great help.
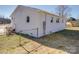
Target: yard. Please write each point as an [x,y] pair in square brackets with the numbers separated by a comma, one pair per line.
[66,41]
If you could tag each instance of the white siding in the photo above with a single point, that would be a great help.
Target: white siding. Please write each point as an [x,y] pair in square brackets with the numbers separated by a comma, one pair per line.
[20,21]
[36,21]
[50,27]
[42,18]
[54,26]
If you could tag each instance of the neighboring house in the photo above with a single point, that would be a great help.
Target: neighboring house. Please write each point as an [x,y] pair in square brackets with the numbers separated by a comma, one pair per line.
[36,22]
[72,22]
[5,21]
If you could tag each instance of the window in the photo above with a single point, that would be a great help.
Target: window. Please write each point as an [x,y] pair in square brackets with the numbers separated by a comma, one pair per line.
[51,20]
[57,21]
[12,18]
[28,19]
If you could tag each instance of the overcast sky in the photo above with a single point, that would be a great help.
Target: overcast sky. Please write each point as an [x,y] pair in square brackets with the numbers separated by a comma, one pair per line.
[6,10]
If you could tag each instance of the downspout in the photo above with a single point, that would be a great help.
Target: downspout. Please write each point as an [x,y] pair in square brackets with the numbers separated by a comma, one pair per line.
[45,23]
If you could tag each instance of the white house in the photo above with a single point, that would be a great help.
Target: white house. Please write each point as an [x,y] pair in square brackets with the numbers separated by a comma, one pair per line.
[36,22]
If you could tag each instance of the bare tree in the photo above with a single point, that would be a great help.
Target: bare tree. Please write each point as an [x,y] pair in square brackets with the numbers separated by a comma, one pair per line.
[63,10]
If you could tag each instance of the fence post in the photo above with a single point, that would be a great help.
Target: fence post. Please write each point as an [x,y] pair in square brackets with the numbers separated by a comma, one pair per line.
[37,32]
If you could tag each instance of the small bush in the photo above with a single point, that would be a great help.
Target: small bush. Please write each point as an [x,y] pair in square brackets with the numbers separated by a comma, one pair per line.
[8,30]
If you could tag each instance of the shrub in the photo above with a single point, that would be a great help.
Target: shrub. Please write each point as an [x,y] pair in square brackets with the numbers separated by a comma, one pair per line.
[8,30]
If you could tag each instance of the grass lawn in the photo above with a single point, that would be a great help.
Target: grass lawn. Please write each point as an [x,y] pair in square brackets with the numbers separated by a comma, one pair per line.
[66,41]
